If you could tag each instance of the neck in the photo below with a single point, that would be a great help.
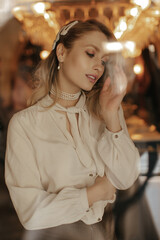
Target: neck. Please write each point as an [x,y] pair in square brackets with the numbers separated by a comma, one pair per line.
[63,98]
[67,104]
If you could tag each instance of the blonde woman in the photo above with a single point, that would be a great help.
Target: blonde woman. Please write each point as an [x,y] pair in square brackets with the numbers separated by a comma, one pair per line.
[70,150]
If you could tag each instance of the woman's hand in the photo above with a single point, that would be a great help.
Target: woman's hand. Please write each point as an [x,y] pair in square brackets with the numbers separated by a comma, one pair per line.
[111,97]
[112,93]
[102,189]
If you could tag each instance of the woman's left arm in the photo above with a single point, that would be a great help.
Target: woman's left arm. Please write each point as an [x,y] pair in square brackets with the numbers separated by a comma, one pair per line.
[115,147]
[119,155]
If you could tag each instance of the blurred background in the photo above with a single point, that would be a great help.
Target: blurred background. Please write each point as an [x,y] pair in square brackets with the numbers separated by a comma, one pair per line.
[27,31]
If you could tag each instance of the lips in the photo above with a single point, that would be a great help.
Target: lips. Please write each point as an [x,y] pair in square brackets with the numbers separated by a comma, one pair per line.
[92,78]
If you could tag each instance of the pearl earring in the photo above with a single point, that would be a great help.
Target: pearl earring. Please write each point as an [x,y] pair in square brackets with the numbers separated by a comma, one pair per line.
[58,67]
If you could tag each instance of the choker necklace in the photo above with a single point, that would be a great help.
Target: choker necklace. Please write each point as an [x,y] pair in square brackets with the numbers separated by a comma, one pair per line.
[64,95]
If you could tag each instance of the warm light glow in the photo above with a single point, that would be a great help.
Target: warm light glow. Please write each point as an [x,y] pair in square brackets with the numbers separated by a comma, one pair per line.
[122,25]
[130,46]
[142,3]
[46,16]
[44,54]
[136,136]
[156,12]
[16,9]
[127,46]
[148,19]
[134,11]
[113,46]
[152,128]
[39,7]
[41,21]
[151,48]
[118,34]
[138,69]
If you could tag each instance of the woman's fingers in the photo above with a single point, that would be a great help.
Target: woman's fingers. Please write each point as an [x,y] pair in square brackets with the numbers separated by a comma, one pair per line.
[106,84]
[120,81]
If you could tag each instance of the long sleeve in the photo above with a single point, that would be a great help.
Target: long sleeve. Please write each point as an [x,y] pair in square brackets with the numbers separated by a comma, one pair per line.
[119,155]
[36,207]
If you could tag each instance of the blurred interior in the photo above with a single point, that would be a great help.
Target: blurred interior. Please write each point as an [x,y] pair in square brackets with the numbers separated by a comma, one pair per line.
[27,31]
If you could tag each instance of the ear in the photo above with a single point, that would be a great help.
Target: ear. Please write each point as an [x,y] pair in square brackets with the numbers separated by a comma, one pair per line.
[61,52]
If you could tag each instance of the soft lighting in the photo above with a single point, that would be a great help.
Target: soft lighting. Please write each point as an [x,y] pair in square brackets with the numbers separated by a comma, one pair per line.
[138,69]
[148,19]
[134,11]
[130,45]
[16,9]
[151,48]
[44,54]
[136,136]
[39,7]
[142,3]
[156,12]
[122,25]
[42,19]
[152,128]
[46,16]
[113,46]
[118,34]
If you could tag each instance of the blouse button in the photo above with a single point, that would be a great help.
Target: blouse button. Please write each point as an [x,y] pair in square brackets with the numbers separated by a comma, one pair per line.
[116,136]
[91,174]
[99,219]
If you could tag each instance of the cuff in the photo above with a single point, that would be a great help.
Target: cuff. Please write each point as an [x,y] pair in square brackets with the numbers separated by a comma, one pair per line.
[84,199]
[114,136]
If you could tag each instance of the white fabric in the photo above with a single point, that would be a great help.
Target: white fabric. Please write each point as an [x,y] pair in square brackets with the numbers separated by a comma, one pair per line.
[47,170]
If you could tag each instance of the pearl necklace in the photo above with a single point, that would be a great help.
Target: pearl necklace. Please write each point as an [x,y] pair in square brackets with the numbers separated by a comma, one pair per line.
[64,95]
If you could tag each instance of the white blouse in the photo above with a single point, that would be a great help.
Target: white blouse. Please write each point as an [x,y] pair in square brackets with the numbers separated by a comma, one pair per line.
[47,170]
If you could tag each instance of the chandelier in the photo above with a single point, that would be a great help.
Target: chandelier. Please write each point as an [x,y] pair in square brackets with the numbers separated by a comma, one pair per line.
[133,22]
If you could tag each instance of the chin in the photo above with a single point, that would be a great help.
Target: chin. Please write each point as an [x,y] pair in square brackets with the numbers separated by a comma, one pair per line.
[87,88]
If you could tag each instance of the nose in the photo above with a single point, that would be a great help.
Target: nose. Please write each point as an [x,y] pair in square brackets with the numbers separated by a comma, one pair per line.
[98,65]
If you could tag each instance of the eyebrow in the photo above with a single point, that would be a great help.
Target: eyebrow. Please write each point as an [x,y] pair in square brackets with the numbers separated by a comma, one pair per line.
[96,48]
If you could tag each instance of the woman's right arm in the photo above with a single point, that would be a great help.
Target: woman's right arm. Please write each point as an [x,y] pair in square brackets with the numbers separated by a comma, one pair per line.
[37,208]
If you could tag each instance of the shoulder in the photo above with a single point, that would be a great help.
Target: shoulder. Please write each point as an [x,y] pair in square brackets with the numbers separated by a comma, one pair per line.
[31,115]
[21,119]
[23,115]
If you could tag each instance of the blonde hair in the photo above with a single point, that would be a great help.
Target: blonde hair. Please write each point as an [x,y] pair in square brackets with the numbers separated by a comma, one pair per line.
[46,72]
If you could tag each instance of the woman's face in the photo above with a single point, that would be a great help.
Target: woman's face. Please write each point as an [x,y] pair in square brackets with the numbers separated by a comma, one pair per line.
[83,65]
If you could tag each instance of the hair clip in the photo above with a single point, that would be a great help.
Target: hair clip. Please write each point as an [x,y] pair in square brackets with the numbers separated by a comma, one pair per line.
[63,32]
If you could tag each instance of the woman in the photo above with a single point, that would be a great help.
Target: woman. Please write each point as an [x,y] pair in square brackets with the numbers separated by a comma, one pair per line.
[69,152]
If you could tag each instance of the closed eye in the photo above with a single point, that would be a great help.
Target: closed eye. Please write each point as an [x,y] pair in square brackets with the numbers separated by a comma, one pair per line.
[91,55]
